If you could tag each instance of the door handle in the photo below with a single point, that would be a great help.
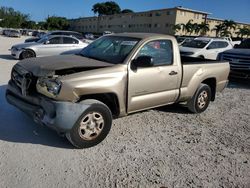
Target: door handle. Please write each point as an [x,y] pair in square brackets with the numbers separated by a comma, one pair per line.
[173,73]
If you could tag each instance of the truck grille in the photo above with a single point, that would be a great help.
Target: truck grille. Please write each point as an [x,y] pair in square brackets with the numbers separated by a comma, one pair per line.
[237,62]
[22,79]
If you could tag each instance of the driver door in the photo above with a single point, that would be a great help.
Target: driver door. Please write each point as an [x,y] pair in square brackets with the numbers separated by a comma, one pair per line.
[155,85]
[53,46]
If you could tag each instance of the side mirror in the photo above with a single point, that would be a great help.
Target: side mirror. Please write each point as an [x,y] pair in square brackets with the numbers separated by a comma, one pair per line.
[143,61]
[208,48]
[46,42]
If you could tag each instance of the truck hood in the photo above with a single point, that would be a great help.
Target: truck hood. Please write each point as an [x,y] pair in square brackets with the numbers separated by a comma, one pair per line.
[48,66]
[238,51]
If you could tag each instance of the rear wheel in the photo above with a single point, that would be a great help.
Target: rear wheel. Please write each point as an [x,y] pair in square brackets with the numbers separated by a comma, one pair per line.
[27,54]
[200,100]
[92,126]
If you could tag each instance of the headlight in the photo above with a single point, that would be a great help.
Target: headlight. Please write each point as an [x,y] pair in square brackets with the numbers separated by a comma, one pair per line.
[49,86]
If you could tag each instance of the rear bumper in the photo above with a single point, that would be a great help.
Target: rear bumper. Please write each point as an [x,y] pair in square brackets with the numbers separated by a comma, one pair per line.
[60,116]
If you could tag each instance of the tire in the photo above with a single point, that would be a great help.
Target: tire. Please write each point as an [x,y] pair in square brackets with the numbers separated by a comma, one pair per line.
[201,99]
[93,125]
[27,54]
[202,57]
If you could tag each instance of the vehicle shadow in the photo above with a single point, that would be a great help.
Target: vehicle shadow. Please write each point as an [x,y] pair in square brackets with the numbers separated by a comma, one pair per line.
[174,108]
[17,127]
[239,84]
[6,57]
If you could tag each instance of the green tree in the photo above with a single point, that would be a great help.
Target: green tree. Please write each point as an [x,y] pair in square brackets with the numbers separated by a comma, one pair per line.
[188,27]
[127,11]
[106,8]
[218,29]
[11,18]
[56,23]
[228,25]
[204,28]
[176,28]
[196,28]
[245,31]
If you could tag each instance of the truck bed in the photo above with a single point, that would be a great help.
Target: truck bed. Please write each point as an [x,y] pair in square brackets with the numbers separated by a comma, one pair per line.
[196,70]
[192,60]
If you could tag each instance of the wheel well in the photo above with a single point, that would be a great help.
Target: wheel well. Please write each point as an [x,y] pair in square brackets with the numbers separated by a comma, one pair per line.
[110,99]
[211,82]
[20,56]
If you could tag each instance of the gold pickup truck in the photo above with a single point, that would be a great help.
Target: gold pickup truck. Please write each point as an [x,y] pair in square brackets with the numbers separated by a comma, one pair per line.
[116,75]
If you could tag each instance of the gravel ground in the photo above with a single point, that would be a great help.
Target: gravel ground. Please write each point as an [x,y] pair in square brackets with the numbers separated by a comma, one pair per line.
[164,147]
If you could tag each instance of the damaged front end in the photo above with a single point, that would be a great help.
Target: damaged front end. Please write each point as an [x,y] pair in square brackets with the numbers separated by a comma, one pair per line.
[36,97]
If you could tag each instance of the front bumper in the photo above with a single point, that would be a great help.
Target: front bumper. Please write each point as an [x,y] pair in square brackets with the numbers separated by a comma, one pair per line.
[58,115]
[240,74]
[16,53]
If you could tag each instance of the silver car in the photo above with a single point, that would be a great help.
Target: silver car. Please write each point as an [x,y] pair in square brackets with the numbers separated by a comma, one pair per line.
[48,46]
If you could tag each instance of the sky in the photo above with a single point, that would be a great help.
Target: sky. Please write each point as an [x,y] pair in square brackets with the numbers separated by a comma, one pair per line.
[237,10]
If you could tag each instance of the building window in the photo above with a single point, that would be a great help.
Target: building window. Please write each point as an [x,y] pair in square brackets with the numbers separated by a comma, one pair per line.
[182,13]
[169,12]
[157,14]
[167,25]
[157,25]
[196,16]
[150,15]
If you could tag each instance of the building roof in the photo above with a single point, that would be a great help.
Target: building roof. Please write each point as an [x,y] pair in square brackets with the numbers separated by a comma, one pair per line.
[219,19]
[191,10]
[148,11]
[139,35]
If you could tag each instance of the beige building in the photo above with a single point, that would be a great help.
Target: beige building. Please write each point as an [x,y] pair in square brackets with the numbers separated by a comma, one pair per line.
[154,21]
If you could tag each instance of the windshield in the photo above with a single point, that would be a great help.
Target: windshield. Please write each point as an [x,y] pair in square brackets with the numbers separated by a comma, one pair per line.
[112,49]
[244,44]
[43,39]
[196,44]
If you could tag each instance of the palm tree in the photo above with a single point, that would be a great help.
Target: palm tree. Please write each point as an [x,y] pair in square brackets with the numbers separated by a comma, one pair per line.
[197,28]
[204,28]
[218,29]
[243,32]
[176,28]
[188,27]
[228,26]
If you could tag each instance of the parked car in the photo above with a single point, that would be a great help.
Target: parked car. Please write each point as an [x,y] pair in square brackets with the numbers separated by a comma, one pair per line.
[203,47]
[48,46]
[35,33]
[89,36]
[239,59]
[41,34]
[182,40]
[231,41]
[68,33]
[116,75]
[13,33]
[107,33]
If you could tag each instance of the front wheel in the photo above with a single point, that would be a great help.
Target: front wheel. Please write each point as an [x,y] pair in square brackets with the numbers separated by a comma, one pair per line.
[27,54]
[200,100]
[92,126]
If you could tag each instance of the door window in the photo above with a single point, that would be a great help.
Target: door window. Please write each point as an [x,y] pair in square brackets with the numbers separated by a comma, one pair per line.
[55,40]
[68,40]
[218,44]
[160,50]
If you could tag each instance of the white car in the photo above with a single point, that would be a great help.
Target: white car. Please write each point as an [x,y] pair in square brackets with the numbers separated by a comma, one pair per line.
[206,48]
[231,41]
[48,46]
